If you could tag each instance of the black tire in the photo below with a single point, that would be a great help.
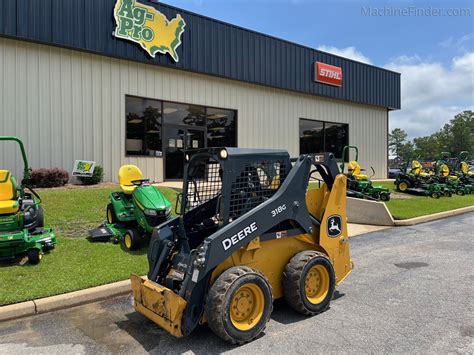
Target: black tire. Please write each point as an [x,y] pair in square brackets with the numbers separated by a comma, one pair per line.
[110,214]
[34,256]
[294,282]
[460,192]
[131,240]
[447,193]
[40,217]
[435,195]
[384,196]
[222,296]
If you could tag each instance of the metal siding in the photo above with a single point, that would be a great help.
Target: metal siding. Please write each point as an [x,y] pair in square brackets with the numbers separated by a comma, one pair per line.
[78,100]
[208,46]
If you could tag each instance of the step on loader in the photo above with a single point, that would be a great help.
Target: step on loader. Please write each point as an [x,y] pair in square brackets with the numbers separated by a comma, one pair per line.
[249,231]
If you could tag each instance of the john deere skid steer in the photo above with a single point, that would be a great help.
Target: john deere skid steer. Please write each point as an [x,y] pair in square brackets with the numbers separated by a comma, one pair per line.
[249,232]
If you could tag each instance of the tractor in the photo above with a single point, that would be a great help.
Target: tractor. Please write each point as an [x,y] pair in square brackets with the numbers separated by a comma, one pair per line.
[134,211]
[248,231]
[22,230]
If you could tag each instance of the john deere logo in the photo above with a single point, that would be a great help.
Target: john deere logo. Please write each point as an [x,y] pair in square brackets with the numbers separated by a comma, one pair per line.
[334,226]
[148,27]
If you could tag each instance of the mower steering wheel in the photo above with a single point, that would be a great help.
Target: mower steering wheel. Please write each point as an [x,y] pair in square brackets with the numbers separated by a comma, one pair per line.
[140,182]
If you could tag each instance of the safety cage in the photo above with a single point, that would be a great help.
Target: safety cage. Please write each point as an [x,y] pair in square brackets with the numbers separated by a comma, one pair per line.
[250,179]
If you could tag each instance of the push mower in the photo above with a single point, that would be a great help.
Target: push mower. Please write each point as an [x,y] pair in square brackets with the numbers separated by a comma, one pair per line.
[134,211]
[22,229]
[359,185]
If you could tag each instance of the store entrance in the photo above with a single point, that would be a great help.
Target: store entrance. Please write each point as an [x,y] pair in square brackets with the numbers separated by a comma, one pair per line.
[176,140]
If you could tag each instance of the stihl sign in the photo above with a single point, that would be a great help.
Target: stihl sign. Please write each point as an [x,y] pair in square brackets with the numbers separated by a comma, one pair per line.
[328,74]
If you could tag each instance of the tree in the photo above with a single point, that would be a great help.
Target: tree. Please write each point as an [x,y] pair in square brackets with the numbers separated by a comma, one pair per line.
[427,147]
[396,139]
[461,133]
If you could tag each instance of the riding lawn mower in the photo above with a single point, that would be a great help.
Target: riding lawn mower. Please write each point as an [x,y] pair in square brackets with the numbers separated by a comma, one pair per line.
[22,230]
[249,231]
[359,185]
[134,211]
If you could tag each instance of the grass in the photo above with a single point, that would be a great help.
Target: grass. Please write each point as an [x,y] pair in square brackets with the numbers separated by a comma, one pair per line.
[76,263]
[404,206]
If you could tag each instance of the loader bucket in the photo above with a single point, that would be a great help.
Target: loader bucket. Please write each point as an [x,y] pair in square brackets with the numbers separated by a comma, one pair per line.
[158,303]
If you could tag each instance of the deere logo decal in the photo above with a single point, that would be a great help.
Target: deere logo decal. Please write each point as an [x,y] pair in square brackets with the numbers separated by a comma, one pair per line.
[148,27]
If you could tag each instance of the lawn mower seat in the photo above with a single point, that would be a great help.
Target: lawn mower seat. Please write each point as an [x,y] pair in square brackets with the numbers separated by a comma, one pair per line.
[464,167]
[354,169]
[8,196]
[417,169]
[444,170]
[128,173]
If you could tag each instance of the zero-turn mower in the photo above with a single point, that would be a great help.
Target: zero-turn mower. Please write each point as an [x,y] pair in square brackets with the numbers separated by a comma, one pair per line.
[359,185]
[419,182]
[133,211]
[452,182]
[248,232]
[22,229]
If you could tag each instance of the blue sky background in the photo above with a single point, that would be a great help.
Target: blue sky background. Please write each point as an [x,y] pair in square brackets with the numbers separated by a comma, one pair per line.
[435,54]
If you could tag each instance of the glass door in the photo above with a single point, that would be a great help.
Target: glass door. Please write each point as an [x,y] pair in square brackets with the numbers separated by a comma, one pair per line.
[176,140]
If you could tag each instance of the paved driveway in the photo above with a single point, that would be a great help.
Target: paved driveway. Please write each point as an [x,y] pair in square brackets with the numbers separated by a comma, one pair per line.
[411,291]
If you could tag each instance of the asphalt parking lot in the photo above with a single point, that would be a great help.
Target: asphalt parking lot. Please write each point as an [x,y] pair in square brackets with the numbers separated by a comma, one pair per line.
[411,291]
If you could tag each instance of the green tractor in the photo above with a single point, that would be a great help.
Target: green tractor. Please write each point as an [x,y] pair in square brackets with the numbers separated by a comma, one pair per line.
[359,185]
[134,211]
[22,229]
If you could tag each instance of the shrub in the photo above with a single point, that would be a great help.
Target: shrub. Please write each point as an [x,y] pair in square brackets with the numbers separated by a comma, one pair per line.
[53,177]
[96,177]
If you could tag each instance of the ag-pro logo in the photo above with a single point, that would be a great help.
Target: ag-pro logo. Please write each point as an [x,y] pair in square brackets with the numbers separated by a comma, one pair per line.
[148,27]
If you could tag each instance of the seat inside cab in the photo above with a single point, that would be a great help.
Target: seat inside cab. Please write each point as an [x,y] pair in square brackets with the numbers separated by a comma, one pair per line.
[354,169]
[8,193]
[128,173]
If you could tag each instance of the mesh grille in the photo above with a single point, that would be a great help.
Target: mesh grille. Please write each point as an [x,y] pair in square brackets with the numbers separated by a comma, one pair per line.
[256,183]
[204,183]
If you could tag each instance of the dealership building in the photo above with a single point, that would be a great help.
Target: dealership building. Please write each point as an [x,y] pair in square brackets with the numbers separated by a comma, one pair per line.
[138,82]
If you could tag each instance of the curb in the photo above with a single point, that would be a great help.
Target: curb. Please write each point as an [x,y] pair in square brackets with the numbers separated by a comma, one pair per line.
[66,300]
[433,217]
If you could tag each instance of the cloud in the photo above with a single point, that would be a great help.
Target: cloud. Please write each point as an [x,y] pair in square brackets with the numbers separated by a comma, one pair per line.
[348,52]
[432,93]
[459,43]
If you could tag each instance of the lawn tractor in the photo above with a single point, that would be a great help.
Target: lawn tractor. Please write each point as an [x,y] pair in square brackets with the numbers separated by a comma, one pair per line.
[248,232]
[133,211]
[359,185]
[22,229]
[419,182]
[465,176]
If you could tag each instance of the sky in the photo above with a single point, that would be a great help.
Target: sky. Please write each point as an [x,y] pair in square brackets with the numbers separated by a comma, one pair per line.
[431,43]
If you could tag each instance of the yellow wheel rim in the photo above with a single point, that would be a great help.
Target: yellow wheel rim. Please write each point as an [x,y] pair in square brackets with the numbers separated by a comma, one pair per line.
[403,186]
[316,284]
[109,216]
[247,306]
[128,241]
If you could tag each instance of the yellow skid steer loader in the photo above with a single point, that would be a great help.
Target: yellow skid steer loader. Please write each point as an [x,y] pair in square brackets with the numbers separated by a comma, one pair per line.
[249,231]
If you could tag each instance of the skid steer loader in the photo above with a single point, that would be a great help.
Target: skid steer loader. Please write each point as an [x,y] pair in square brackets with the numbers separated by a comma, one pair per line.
[248,232]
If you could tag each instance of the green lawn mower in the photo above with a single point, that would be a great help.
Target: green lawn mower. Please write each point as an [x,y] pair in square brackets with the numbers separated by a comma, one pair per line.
[452,182]
[134,211]
[359,185]
[22,229]
[419,182]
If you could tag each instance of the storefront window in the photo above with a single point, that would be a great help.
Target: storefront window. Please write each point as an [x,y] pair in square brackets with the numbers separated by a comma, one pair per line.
[143,126]
[319,136]
[183,114]
[221,128]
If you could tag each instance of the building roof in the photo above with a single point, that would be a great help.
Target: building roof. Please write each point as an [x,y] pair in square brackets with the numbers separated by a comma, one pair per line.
[209,46]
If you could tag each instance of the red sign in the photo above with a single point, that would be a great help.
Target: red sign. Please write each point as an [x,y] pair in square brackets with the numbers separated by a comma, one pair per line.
[328,74]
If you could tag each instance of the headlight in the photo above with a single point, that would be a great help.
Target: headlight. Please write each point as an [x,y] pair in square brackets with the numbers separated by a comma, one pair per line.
[168,210]
[150,212]
[223,154]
